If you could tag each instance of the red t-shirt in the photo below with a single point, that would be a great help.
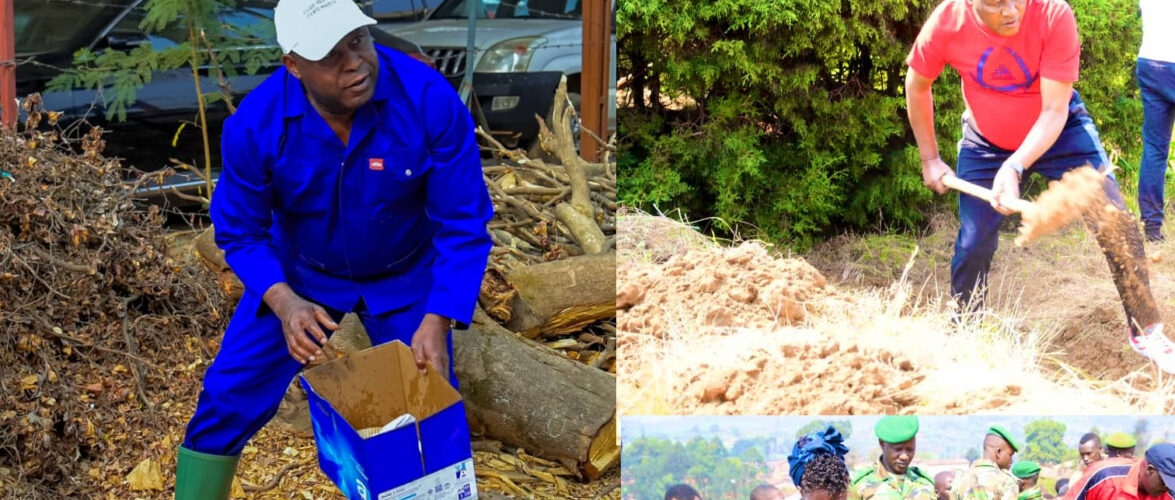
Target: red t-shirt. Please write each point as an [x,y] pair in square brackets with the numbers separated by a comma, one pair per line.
[1001,75]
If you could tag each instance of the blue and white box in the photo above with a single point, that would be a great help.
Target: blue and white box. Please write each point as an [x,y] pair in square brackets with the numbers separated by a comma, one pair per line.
[430,458]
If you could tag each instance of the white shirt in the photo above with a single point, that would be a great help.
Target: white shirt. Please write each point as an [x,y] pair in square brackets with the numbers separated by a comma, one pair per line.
[1158,30]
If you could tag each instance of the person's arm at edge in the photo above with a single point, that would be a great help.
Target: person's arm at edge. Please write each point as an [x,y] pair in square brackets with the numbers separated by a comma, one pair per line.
[920,111]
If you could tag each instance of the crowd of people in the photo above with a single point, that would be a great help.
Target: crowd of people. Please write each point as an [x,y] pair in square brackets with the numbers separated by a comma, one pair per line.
[1108,470]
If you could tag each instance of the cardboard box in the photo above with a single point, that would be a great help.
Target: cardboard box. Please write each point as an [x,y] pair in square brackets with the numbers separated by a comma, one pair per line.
[430,459]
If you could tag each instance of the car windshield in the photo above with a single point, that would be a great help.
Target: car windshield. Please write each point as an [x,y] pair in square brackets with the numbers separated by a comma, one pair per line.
[244,24]
[511,9]
[44,26]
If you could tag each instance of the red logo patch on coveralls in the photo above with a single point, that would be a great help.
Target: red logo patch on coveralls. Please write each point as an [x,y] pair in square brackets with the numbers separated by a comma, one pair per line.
[375,163]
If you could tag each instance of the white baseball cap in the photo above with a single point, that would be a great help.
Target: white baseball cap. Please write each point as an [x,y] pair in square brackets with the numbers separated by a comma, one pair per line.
[313,27]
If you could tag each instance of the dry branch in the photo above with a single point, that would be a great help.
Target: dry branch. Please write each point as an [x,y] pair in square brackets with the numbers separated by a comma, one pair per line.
[585,230]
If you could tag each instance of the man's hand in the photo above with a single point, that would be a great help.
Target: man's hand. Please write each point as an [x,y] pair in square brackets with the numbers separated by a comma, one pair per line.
[430,344]
[1004,189]
[300,319]
[933,171]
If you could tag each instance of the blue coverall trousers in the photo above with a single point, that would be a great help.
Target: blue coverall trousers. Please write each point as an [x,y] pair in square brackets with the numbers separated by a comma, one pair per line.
[246,382]
[979,160]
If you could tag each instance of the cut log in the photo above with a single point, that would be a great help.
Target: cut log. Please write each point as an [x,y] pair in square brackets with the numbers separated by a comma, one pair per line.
[553,295]
[604,452]
[522,394]
[212,258]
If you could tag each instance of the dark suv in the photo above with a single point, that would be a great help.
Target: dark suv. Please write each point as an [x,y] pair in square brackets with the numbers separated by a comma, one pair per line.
[49,32]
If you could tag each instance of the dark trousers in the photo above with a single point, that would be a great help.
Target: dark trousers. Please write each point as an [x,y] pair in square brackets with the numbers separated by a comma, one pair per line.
[979,160]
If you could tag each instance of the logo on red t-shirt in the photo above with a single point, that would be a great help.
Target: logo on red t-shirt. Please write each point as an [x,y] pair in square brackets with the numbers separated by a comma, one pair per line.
[1003,71]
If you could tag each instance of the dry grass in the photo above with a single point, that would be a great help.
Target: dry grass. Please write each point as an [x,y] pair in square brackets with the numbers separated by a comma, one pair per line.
[1052,342]
[644,238]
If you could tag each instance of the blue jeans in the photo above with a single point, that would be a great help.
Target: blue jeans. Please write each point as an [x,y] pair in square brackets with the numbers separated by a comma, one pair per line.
[1156,80]
[246,382]
[979,160]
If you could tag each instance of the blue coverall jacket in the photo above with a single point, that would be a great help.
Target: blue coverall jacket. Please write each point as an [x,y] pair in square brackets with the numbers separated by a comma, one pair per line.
[395,216]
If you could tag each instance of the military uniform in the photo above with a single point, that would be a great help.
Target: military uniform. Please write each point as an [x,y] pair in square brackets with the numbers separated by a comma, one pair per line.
[878,483]
[1119,442]
[1025,470]
[1030,494]
[875,482]
[985,481]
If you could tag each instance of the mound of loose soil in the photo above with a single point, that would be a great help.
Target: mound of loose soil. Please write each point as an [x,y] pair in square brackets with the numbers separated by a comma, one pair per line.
[809,379]
[737,287]
[828,358]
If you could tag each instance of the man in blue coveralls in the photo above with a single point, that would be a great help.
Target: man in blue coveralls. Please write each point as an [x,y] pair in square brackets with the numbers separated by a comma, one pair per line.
[351,182]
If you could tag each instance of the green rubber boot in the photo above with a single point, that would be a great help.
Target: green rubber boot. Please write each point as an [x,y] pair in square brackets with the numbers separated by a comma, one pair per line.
[201,476]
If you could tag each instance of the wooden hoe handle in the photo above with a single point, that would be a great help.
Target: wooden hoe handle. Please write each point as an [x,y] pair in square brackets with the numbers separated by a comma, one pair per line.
[1018,205]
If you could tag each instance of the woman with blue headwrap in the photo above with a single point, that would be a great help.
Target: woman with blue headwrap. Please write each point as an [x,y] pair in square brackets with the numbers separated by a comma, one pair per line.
[817,466]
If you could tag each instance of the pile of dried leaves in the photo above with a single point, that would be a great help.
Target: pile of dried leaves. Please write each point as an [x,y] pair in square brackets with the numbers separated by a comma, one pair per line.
[96,318]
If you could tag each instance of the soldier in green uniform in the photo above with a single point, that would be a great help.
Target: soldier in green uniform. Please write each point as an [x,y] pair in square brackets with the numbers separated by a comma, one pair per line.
[1027,472]
[891,477]
[988,478]
[1120,444]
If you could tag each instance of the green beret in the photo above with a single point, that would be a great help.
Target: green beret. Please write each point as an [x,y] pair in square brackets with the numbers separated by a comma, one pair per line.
[896,428]
[1025,469]
[1120,440]
[1007,436]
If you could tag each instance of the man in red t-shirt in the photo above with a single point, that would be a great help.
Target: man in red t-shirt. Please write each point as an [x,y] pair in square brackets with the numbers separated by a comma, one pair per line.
[1018,60]
[1151,478]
